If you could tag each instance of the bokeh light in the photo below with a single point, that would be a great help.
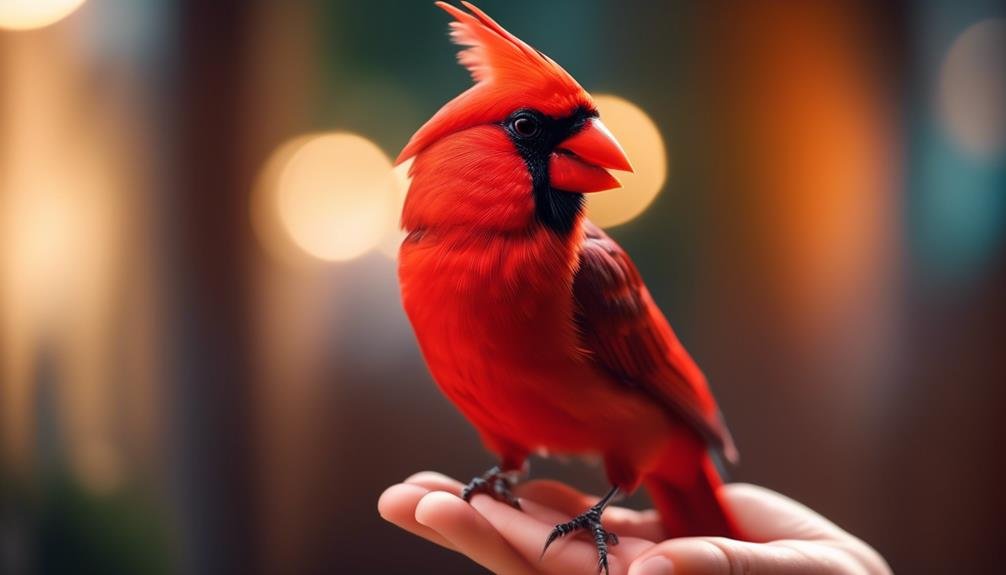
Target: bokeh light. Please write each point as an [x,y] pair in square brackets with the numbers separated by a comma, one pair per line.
[972,88]
[644,146]
[830,248]
[393,238]
[31,14]
[333,194]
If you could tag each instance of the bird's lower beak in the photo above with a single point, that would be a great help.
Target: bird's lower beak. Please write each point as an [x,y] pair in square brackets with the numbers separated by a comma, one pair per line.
[581,163]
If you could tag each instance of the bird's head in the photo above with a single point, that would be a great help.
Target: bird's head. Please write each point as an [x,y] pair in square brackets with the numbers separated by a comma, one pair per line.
[518,148]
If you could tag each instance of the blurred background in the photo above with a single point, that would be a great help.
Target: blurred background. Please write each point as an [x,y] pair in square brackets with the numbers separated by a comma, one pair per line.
[204,364]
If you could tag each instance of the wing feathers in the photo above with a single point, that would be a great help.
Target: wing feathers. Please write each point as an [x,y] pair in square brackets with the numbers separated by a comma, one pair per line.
[628,337]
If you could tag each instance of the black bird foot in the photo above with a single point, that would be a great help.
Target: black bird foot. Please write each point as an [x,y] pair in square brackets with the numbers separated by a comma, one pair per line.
[495,483]
[590,521]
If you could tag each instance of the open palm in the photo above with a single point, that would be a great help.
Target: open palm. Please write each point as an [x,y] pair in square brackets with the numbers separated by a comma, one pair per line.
[788,537]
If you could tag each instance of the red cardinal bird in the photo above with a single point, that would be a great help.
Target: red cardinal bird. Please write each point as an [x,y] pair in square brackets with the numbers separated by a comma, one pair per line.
[532,320]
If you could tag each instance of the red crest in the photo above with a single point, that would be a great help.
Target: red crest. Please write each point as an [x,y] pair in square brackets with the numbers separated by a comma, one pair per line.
[508,75]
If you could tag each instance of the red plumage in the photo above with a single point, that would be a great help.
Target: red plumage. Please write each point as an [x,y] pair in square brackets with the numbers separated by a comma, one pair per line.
[540,329]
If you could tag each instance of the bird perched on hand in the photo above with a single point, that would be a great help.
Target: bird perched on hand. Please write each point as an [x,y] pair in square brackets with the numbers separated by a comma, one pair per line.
[533,321]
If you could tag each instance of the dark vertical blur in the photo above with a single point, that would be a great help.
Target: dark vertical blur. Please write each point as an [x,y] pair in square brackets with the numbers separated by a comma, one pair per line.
[204,365]
[210,426]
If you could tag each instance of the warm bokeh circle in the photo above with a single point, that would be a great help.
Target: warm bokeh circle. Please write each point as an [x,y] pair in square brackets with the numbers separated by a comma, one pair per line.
[332,195]
[32,14]
[644,146]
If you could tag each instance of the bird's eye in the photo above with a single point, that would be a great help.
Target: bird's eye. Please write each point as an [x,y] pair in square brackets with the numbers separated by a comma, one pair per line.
[526,126]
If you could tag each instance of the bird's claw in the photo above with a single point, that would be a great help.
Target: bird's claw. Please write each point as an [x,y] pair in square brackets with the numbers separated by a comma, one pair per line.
[589,520]
[493,483]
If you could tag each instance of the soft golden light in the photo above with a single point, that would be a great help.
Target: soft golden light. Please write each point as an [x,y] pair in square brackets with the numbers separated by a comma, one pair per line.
[644,146]
[393,238]
[973,88]
[63,298]
[100,466]
[335,195]
[31,14]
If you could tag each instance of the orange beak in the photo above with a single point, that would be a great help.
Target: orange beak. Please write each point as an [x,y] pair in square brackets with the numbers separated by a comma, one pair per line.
[580,163]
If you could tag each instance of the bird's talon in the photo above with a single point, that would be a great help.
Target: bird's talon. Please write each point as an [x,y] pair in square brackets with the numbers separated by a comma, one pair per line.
[602,564]
[476,485]
[493,483]
[501,488]
[589,521]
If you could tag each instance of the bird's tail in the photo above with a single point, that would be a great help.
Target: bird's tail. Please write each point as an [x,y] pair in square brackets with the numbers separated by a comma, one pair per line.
[690,503]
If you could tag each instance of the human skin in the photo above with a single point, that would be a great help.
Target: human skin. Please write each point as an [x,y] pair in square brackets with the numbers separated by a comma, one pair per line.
[786,537]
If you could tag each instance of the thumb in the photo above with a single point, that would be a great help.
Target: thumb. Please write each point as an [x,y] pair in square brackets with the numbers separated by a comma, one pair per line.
[721,556]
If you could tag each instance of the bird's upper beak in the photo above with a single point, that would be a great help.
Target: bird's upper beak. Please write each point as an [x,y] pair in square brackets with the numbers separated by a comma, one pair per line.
[581,162]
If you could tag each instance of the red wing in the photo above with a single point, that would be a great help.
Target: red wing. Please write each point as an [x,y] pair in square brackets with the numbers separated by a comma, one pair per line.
[629,337]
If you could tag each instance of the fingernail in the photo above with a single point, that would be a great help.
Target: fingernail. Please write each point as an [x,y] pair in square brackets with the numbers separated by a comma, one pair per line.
[658,565]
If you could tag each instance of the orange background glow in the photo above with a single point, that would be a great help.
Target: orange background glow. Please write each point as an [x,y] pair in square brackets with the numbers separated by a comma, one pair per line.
[204,363]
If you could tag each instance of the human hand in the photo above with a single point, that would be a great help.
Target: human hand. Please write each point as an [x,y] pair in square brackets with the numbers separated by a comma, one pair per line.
[788,537]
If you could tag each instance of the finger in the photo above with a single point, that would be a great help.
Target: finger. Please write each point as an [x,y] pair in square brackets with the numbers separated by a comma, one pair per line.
[527,534]
[764,515]
[434,481]
[570,502]
[470,533]
[547,516]
[722,556]
[556,495]
[398,505]
[558,502]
